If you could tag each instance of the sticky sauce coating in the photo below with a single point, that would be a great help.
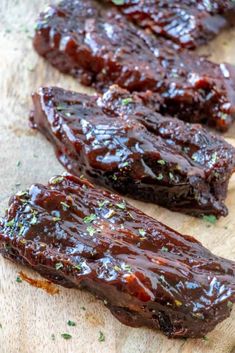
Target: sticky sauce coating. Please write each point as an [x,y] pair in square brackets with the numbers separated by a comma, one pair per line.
[189,23]
[100,47]
[119,142]
[146,273]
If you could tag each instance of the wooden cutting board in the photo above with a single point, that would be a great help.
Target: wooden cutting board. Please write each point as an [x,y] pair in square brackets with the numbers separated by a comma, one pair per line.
[29,316]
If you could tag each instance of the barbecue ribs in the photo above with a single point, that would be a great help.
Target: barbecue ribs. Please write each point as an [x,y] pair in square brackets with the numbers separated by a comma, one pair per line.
[118,142]
[100,47]
[146,273]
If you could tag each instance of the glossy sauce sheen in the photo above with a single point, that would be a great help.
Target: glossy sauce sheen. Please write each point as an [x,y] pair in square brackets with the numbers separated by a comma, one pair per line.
[118,142]
[100,47]
[146,273]
[188,23]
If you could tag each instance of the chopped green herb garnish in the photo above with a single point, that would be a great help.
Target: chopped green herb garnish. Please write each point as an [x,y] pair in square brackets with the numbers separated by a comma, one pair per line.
[91,230]
[125,164]
[171,175]
[90,218]
[18,164]
[22,193]
[0,325]
[83,308]
[57,180]
[121,205]
[161,161]
[127,268]
[164,249]
[114,177]
[214,157]
[127,101]
[142,232]
[205,338]
[229,304]
[53,337]
[10,223]
[66,336]
[224,116]
[21,230]
[118,2]
[71,323]
[33,219]
[65,205]
[210,218]
[101,337]
[102,203]
[159,176]
[58,266]
[78,267]
[18,279]
[117,268]
[56,219]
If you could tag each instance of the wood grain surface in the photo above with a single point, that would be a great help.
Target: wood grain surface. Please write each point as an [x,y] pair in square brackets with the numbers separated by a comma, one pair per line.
[29,317]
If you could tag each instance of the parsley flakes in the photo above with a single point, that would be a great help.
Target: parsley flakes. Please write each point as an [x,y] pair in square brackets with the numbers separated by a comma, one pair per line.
[161,161]
[57,180]
[91,230]
[121,205]
[10,223]
[142,232]
[101,337]
[102,203]
[78,267]
[33,220]
[159,176]
[66,336]
[118,2]
[164,249]
[18,279]
[89,219]
[59,265]
[126,101]
[71,323]
[210,218]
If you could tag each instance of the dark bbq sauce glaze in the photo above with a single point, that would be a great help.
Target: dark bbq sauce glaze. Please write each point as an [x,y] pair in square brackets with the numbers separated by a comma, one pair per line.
[147,274]
[118,142]
[100,47]
[188,23]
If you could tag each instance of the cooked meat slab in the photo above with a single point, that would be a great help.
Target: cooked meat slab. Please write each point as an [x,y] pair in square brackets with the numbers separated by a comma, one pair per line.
[146,273]
[118,142]
[189,23]
[100,47]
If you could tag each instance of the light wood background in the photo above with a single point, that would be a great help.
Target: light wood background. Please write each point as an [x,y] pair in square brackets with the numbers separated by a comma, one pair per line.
[29,316]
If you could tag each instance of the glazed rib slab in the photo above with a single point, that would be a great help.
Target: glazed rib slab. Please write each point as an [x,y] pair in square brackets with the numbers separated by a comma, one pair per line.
[120,143]
[146,273]
[100,47]
[189,23]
